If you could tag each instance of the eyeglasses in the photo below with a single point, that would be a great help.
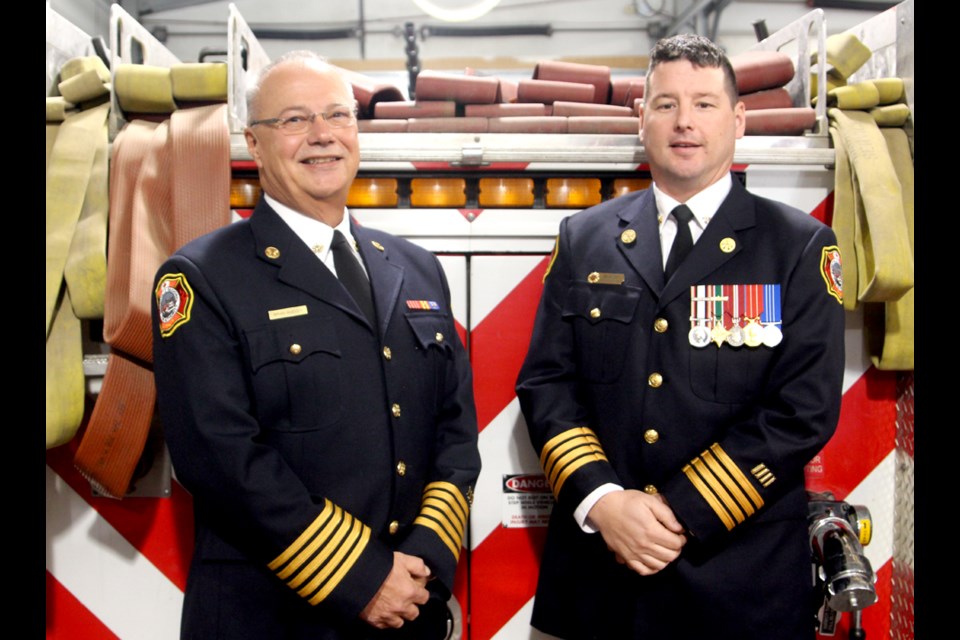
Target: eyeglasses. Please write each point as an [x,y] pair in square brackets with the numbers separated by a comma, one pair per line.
[337,117]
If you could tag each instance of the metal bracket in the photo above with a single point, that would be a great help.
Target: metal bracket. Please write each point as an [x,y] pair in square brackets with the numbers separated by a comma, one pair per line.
[471,156]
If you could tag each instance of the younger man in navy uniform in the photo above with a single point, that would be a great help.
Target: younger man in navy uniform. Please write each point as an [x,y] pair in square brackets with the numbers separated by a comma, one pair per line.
[674,412]
[328,436]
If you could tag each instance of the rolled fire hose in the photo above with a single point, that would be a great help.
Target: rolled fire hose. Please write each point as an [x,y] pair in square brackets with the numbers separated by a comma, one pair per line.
[563,71]
[463,89]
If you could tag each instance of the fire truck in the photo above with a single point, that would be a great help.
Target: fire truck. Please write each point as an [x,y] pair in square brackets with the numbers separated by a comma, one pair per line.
[489,205]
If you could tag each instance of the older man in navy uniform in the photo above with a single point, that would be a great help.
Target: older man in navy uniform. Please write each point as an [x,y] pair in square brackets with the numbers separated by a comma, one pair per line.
[315,396]
[686,363]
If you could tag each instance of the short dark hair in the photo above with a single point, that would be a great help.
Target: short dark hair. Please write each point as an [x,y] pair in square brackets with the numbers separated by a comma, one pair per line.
[698,51]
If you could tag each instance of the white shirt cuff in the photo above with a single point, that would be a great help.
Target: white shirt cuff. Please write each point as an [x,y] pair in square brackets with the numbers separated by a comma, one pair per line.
[580,514]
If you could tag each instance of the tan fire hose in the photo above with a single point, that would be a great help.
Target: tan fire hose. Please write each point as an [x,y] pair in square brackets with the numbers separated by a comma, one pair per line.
[873,206]
[76,234]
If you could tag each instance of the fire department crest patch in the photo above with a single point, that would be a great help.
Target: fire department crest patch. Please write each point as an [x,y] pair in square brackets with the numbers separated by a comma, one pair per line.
[174,301]
[832,272]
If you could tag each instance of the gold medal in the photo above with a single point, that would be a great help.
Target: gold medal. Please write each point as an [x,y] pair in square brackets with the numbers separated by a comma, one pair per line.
[753,333]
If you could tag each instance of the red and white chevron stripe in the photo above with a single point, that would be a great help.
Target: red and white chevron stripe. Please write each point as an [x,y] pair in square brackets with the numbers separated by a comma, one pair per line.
[117,569]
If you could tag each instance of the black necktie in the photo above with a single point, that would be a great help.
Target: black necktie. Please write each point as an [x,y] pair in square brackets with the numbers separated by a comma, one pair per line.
[682,243]
[351,274]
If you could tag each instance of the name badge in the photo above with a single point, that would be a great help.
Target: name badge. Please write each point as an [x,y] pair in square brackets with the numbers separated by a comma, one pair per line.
[289,312]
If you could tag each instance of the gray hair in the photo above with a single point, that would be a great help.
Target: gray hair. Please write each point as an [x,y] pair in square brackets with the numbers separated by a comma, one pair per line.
[303,57]
[698,51]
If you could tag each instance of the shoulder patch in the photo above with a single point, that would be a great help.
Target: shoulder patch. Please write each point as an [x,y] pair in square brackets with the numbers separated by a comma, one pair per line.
[174,302]
[553,258]
[832,272]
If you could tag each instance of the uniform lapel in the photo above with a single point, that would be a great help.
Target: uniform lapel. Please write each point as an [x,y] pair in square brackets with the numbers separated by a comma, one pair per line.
[297,266]
[386,277]
[639,239]
[721,241]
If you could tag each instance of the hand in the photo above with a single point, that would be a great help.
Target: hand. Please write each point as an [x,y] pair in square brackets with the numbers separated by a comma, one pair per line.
[397,599]
[640,529]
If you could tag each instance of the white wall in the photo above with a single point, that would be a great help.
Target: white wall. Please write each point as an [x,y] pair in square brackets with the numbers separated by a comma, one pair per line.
[591,28]
[90,16]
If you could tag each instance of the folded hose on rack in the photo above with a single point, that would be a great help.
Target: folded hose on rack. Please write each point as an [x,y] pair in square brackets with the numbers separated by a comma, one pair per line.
[873,204]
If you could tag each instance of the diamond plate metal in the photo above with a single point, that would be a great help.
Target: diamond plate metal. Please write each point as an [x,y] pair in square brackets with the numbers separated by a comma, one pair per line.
[901,597]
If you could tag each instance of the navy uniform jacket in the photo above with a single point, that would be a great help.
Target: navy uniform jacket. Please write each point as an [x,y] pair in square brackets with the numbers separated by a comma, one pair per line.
[613,392]
[313,443]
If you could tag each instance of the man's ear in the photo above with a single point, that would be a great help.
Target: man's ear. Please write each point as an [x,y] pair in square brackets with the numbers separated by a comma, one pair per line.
[640,115]
[252,144]
[740,115]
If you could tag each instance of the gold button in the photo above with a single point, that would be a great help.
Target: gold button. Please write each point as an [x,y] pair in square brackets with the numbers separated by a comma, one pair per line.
[660,325]
[655,380]
[651,490]
[394,527]
[651,436]
[377,245]
[594,313]
[401,468]
[593,278]
[439,337]
[295,349]
[272,252]
[387,354]
[628,237]
[727,245]
[395,410]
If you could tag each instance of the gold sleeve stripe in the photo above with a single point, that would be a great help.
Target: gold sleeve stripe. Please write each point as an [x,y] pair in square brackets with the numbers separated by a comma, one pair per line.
[563,441]
[444,510]
[563,456]
[450,494]
[437,528]
[327,546]
[709,497]
[453,516]
[304,538]
[558,483]
[345,560]
[323,554]
[734,470]
[565,453]
[729,484]
[326,536]
[441,512]
[551,454]
[714,484]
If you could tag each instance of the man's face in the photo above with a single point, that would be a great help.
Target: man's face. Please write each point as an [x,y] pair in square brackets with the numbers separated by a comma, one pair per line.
[688,127]
[311,171]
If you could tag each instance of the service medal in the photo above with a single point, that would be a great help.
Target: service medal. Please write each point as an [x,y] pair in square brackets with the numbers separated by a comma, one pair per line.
[735,336]
[770,318]
[719,331]
[772,335]
[718,334]
[753,333]
[753,330]
[699,336]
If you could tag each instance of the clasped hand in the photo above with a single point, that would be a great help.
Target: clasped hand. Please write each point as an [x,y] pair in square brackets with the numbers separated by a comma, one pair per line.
[400,594]
[640,529]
